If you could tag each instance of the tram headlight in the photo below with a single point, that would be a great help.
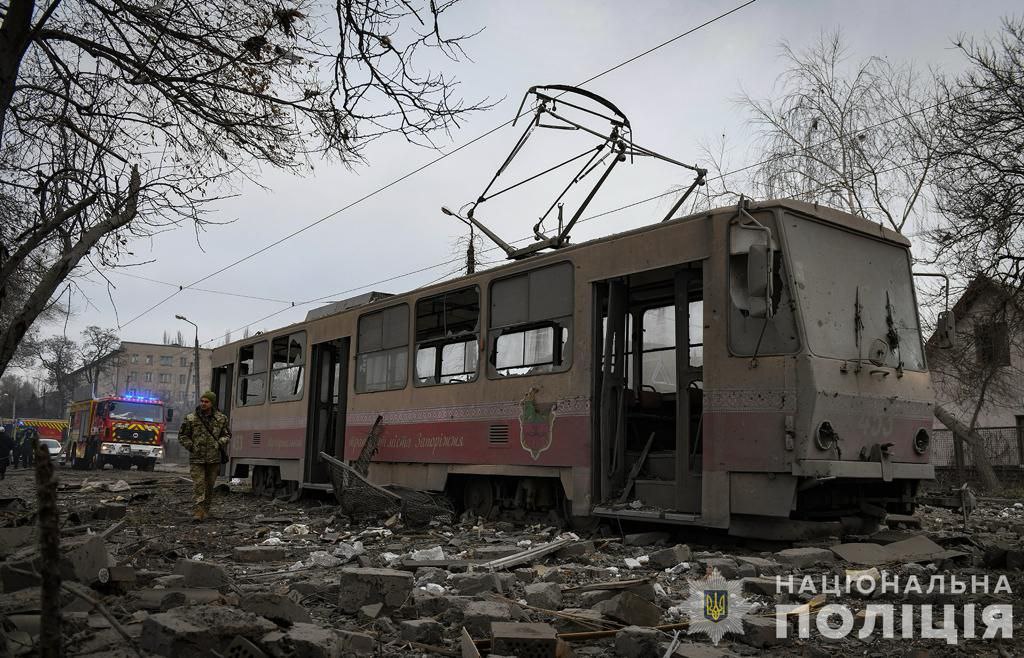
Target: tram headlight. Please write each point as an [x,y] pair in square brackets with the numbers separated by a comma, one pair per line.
[825,438]
[921,441]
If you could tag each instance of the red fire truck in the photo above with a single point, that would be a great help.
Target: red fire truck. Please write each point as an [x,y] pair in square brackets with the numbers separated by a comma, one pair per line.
[121,430]
[48,428]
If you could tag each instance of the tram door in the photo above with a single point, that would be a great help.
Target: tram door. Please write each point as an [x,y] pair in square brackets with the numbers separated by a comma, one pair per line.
[222,377]
[221,385]
[649,388]
[326,429]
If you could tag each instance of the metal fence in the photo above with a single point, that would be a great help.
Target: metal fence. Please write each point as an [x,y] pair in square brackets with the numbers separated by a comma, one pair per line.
[1003,445]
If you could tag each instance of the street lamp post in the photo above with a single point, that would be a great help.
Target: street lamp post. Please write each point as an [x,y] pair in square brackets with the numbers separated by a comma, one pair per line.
[195,357]
[471,249]
[14,411]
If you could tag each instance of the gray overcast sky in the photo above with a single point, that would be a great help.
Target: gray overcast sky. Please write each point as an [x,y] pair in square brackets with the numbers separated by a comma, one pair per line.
[676,98]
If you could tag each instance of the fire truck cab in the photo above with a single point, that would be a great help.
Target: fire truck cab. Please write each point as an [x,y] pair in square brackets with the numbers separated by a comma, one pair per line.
[122,430]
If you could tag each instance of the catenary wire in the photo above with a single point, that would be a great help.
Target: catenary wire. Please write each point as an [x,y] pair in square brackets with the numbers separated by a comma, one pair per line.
[408,175]
[721,176]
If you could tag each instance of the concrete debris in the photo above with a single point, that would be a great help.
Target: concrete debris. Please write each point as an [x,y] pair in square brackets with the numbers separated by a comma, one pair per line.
[667,558]
[359,587]
[725,565]
[646,538]
[479,615]
[349,552]
[195,630]
[280,609]
[435,553]
[424,631]
[323,559]
[804,557]
[259,554]
[630,609]
[546,596]
[226,586]
[201,574]
[760,632]
[82,558]
[637,642]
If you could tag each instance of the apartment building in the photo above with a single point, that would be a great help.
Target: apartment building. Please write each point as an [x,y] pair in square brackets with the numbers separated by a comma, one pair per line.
[164,371]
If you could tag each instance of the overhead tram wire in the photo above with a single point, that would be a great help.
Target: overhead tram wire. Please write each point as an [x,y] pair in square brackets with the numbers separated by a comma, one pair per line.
[443,156]
[212,292]
[721,176]
[436,265]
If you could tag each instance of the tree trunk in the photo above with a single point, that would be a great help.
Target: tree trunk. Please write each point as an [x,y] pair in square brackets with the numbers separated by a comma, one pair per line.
[14,36]
[961,432]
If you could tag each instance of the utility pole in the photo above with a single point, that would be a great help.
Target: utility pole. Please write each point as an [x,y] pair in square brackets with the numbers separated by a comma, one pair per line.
[195,357]
[471,249]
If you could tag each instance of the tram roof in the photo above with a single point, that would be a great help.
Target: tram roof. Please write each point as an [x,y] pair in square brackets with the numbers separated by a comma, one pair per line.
[831,215]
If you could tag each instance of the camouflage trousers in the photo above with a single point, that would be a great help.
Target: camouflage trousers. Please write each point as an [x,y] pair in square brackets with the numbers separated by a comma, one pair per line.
[204,477]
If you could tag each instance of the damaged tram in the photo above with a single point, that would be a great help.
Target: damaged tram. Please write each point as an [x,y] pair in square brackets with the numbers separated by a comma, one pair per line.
[757,368]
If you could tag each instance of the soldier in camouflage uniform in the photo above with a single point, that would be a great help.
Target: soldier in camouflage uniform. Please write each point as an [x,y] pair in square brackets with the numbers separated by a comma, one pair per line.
[204,433]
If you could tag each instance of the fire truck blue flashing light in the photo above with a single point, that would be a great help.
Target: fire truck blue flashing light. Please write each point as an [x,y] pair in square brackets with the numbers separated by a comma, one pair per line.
[128,397]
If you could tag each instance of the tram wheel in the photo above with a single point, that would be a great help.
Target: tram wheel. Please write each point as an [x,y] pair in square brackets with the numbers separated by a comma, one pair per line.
[478,497]
[258,480]
[288,491]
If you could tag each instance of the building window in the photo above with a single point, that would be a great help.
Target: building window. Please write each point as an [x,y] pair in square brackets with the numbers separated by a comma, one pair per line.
[133,376]
[447,330]
[383,350]
[252,374]
[181,380]
[149,359]
[165,378]
[166,360]
[135,358]
[531,322]
[183,362]
[148,376]
[992,344]
[288,358]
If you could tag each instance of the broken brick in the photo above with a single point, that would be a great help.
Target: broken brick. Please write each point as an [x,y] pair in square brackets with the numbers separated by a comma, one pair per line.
[359,587]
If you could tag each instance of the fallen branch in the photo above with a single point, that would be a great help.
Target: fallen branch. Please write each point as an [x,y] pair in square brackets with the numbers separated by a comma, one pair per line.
[597,635]
[114,528]
[272,573]
[528,555]
[432,649]
[610,585]
[577,619]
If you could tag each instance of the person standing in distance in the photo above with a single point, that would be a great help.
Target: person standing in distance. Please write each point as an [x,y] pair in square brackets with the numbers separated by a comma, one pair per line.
[204,432]
[6,443]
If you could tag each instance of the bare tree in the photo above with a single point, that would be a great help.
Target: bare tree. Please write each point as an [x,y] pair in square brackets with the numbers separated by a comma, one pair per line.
[99,352]
[58,356]
[980,178]
[118,117]
[979,182]
[858,136]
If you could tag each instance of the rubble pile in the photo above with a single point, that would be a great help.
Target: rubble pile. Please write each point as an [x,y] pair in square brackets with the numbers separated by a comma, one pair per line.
[272,578]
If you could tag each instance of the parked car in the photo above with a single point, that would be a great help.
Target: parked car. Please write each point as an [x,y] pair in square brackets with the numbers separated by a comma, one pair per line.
[56,450]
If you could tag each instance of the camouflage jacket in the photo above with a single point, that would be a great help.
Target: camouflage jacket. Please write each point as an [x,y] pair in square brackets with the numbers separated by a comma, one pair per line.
[203,437]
